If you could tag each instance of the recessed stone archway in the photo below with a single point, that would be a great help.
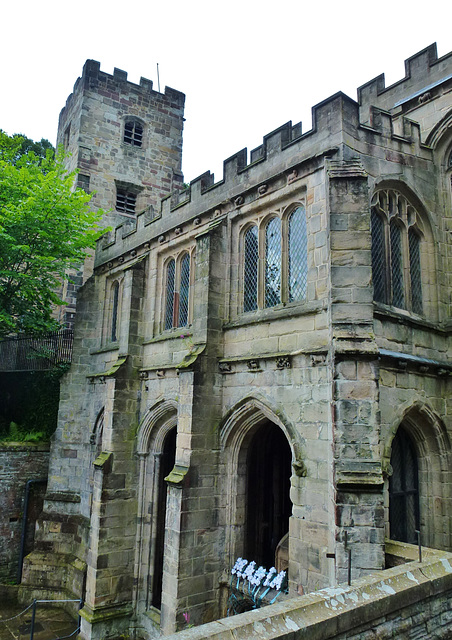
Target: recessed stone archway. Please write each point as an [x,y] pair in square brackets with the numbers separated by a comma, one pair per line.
[249,436]
[156,448]
[432,448]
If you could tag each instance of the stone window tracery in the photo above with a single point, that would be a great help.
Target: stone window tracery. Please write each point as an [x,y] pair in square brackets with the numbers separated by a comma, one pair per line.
[275,260]
[133,133]
[396,251]
[177,292]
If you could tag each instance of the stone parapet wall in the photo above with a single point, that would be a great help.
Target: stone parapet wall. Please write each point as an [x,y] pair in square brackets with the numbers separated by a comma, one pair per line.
[408,601]
[19,462]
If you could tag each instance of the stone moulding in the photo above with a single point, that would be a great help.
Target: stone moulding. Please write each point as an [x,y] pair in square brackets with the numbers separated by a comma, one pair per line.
[99,614]
[100,377]
[104,461]
[62,496]
[177,475]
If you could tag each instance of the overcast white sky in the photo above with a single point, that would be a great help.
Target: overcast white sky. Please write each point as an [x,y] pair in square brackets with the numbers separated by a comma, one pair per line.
[245,66]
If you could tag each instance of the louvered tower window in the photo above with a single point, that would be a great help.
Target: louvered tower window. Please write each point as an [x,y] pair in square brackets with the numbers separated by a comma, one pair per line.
[133,133]
[126,201]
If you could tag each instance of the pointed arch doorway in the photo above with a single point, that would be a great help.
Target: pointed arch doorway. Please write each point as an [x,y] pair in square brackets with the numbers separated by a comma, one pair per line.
[167,460]
[268,504]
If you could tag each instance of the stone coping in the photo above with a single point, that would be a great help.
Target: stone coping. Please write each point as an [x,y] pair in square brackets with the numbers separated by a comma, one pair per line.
[24,446]
[324,614]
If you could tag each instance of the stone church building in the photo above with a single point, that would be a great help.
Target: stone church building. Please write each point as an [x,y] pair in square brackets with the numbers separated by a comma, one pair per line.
[262,364]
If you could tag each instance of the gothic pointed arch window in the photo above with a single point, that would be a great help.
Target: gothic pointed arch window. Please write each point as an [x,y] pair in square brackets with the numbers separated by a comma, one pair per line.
[275,259]
[404,489]
[397,240]
[177,286]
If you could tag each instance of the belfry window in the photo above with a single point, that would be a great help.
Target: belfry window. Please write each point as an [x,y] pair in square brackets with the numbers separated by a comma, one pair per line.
[177,292]
[280,245]
[133,133]
[126,201]
[396,251]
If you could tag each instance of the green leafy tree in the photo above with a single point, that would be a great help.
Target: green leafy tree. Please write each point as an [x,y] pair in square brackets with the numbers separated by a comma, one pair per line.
[26,145]
[46,228]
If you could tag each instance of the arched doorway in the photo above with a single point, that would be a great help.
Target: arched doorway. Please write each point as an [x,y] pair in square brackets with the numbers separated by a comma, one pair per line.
[167,460]
[268,504]
[404,489]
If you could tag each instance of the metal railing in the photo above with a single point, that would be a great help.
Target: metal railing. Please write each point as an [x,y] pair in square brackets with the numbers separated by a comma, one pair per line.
[36,353]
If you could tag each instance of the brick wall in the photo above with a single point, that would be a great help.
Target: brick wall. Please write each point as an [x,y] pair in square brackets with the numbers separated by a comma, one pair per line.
[19,463]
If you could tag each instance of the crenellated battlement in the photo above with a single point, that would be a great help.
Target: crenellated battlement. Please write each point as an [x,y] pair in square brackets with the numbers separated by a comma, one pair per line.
[93,78]
[424,72]
[281,152]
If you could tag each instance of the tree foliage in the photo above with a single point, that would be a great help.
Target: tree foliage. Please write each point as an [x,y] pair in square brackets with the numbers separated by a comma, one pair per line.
[46,228]
[25,145]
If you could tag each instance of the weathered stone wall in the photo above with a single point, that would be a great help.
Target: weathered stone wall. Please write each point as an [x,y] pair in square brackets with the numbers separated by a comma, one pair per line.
[19,463]
[409,601]
[334,373]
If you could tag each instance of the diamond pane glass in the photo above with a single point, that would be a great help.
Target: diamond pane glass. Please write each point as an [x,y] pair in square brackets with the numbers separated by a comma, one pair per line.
[273,263]
[398,292]
[250,270]
[378,258]
[184,290]
[169,308]
[403,489]
[298,255]
[415,271]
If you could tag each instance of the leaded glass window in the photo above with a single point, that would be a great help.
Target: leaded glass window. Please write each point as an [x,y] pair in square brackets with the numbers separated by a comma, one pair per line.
[177,292]
[184,290]
[273,263]
[250,270]
[275,260]
[398,294]
[298,255]
[170,279]
[403,489]
[378,257]
[396,229]
[415,271]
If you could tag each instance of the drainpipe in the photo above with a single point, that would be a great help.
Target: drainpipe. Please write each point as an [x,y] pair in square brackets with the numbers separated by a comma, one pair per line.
[24,524]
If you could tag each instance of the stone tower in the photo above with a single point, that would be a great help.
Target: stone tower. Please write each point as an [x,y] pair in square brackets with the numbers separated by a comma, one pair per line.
[125,140]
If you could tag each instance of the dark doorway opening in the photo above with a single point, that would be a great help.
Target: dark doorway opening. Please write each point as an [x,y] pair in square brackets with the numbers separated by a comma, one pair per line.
[403,489]
[166,465]
[268,506]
